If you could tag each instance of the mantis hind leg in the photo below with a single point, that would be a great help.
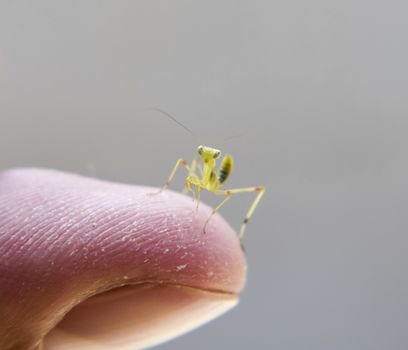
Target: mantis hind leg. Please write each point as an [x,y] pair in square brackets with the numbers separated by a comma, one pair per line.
[228,193]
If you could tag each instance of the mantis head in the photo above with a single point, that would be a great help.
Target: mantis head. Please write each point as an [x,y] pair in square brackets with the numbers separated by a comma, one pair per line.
[208,153]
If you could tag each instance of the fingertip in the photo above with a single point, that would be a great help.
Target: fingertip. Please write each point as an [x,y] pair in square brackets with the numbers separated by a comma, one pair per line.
[66,238]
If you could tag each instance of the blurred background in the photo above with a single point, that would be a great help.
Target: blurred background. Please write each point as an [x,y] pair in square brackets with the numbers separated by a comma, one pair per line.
[311,99]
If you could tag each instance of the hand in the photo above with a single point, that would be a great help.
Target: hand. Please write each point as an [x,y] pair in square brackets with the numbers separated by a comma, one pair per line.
[121,269]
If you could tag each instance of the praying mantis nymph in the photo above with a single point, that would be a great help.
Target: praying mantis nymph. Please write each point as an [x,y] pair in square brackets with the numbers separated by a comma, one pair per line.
[211,179]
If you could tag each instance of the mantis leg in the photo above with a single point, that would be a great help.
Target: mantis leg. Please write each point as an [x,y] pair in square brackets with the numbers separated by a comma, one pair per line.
[191,181]
[192,172]
[225,200]
[173,173]
[228,193]
[194,164]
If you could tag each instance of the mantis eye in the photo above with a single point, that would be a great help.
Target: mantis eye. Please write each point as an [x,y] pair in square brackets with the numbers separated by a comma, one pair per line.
[200,150]
[217,154]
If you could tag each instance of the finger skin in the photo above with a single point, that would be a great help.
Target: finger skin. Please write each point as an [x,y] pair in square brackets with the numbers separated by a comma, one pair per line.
[64,238]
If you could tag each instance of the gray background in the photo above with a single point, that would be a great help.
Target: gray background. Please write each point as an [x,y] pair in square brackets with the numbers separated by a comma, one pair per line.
[316,93]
